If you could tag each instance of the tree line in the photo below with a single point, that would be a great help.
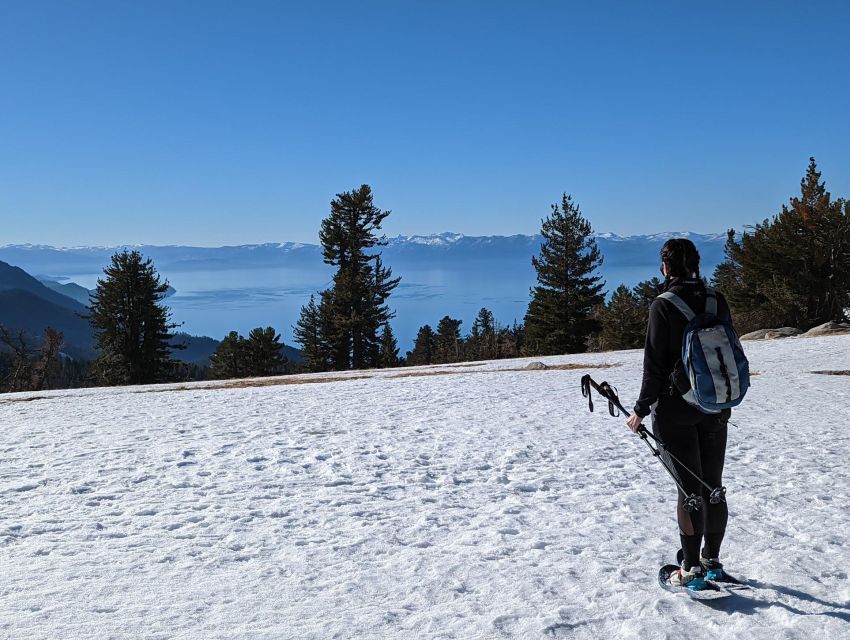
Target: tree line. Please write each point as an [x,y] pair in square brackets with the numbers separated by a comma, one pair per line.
[487,340]
[792,269]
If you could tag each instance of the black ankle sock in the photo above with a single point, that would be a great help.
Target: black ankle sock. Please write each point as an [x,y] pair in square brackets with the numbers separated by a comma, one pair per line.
[712,545]
[690,547]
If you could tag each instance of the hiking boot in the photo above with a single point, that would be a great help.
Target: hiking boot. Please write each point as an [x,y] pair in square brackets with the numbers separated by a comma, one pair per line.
[692,578]
[712,568]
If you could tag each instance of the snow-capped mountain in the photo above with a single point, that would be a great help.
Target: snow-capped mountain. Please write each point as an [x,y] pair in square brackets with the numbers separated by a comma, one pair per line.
[68,259]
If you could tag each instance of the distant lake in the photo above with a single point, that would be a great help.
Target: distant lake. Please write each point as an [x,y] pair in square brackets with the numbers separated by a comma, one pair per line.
[222,289]
[214,302]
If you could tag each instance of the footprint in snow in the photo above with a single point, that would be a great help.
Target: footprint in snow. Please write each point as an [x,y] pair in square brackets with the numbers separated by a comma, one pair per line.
[506,624]
[25,487]
[338,483]
[104,609]
[559,630]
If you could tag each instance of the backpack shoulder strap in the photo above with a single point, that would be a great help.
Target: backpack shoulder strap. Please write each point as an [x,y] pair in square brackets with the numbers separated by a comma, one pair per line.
[710,301]
[679,303]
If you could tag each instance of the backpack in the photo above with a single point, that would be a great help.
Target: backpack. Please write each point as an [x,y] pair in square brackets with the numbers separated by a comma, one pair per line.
[712,357]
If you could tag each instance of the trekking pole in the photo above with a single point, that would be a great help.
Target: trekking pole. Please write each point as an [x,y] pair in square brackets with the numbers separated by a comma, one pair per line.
[691,502]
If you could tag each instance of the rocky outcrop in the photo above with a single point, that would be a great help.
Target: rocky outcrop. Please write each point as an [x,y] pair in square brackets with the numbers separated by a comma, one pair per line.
[825,329]
[828,329]
[771,334]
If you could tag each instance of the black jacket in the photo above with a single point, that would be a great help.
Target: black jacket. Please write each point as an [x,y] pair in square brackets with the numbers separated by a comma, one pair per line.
[664,335]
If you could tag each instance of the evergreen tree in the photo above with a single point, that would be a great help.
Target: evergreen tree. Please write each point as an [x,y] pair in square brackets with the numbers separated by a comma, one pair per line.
[623,321]
[191,372]
[482,343]
[388,356]
[378,313]
[70,373]
[793,269]
[263,352]
[355,306]
[560,315]
[447,342]
[510,341]
[423,347]
[132,327]
[647,290]
[310,332]
[228,361]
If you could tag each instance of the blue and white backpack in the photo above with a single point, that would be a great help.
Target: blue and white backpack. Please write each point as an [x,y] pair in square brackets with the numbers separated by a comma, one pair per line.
[712,357]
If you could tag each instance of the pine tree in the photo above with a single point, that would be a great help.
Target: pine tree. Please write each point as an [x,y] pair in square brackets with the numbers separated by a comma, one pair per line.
[510,341]
[310,332]
[423,347]
[647,291]
[448,345]
[482,343]
[355,307]
[388,356]
[560,315]
[793,269]
[228,361]
[132,327]
[623,321]
[263,351]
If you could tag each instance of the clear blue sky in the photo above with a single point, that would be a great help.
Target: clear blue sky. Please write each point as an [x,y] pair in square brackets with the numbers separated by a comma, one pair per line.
[209,122]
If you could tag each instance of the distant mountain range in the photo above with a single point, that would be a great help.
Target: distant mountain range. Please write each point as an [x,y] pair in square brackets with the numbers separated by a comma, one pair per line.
[220,289]
[29,305]
[78,293]
[62,262]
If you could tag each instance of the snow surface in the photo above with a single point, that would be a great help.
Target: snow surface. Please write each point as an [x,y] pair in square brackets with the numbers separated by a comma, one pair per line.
[464,501]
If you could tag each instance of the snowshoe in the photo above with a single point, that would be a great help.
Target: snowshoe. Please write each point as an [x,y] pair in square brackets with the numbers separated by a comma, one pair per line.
[714,571]
[696,586]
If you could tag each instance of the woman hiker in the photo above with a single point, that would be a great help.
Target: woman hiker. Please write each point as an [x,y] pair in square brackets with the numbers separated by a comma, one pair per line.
[696,438]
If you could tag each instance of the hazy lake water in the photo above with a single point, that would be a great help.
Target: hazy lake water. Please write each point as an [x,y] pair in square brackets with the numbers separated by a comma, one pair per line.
[214,302]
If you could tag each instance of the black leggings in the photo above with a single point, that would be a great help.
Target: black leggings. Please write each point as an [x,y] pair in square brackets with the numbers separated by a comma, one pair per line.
[699,441]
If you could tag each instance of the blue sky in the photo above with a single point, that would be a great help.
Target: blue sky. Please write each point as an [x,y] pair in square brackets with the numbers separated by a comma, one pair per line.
[209,122]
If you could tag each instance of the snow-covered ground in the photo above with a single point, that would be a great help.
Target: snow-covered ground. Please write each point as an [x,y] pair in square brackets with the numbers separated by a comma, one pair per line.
[483,503]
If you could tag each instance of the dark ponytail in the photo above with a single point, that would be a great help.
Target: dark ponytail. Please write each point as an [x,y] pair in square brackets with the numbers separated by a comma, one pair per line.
[681,258]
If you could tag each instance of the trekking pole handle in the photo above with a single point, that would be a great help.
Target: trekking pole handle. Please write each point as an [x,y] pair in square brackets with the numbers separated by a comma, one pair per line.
[605,390]
[609,392]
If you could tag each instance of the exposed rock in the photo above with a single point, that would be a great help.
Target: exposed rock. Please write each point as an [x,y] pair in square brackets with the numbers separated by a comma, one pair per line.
[782,332]
[771,334]
[536,365]
[828,328]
